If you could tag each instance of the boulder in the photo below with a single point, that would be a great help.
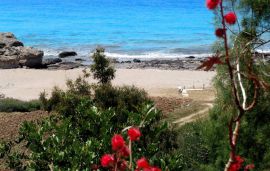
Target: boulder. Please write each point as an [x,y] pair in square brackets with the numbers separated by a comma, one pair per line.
[67,53]
[136,60]
[13,54]
[30,57]
[190,57]
[64,66]
[9,40]
[50,61]
[8,62]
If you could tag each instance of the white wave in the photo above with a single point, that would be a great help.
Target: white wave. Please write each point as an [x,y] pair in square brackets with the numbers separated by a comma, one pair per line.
[263,50]
[155,55]
[150,55]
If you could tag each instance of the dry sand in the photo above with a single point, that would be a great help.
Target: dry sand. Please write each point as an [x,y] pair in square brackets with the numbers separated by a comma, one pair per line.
[26,84]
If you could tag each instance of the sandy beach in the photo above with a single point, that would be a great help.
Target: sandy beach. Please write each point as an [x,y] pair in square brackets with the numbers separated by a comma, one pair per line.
[26,84]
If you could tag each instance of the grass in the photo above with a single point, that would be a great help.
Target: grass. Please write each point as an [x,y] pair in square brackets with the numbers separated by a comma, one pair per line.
[14,105]
[185,110]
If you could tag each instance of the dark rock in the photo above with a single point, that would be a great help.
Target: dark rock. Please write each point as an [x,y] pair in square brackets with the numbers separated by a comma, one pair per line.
[137,60]
[67,53]
[2,45]
[64,65]
[79,59]
[16,44]
[190,57]
[50,61]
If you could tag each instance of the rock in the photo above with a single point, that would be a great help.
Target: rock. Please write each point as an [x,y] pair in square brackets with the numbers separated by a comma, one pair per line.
[67,53]
[79,59]
[136,60]
[50,61]
[30,57]
[9,40]
[64,65]
[13,54]
[2,45]
[8,62]
[190,57]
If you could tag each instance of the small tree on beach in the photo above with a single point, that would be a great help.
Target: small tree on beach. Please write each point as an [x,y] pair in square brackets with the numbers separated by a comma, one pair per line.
[101,67]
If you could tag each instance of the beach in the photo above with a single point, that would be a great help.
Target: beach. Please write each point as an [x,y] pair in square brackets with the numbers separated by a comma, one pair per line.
[27,84]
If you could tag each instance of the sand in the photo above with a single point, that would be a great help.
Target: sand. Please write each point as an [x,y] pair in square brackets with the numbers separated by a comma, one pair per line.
[26,84]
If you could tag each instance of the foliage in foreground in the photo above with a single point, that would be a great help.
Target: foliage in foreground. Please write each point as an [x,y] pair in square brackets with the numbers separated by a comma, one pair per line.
[81,128]
[79,133]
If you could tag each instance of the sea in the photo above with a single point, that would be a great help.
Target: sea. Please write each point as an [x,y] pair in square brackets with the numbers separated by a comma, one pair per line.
[125,28]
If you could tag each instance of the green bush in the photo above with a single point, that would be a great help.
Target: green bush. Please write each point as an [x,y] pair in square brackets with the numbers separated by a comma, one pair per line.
[14,105]
[81,130]
[121,98]
[78,136]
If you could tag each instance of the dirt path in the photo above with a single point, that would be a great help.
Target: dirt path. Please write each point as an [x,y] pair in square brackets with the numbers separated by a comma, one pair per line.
[10,122]
[194,116]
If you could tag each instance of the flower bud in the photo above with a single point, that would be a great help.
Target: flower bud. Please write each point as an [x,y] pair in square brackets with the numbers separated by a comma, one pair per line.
[220,32]
[107,160]
[212,4]
[118,142]
[230,18]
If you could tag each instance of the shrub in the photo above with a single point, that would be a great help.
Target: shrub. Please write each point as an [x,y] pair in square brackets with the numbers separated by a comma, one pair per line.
[101,67]
[121,98]
[14,105]
[78,136]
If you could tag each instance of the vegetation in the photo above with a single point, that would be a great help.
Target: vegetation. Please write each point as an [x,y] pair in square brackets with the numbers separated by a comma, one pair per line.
[85,118]
[14,105]
[101,67]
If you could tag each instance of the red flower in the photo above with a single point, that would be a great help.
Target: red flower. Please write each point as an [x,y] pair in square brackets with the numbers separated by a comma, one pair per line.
[220,32]
[212,4]
[142,163]
[239,159]
[118,142]
[249,167]
[123,166]
[230,18]
[125,152]
[237,164]
[107,160]
[155,169]
[134,134]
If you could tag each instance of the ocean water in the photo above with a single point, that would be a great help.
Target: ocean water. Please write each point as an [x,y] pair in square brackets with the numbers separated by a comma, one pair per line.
[126,28]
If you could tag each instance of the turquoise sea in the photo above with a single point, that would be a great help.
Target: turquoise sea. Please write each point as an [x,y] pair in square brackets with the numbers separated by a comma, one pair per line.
[144,28]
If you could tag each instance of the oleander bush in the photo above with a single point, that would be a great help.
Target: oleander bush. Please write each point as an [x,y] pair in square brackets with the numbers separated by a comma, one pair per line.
[14,105]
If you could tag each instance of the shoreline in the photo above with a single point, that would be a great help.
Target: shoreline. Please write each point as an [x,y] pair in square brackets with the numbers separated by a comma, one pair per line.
[27,84]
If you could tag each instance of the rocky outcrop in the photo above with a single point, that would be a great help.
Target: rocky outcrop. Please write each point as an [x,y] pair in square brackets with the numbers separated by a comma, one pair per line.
[67,54]
[13,54]
[50,61]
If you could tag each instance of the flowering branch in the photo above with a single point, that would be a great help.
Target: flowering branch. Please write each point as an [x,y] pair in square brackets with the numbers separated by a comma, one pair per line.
[235,162]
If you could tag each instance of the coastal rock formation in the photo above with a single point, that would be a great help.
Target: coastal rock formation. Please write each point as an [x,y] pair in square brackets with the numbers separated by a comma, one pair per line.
[13,54]
[50,61]
[67,53]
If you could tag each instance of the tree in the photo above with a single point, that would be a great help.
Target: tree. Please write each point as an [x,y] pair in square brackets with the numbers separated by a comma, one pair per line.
[101,67]
[241,101]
